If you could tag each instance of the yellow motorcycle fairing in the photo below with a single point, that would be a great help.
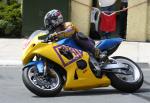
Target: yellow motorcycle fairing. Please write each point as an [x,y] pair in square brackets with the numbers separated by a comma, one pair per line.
[85,78]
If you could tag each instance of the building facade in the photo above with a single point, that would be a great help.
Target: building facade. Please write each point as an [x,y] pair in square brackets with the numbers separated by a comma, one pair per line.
[138,28]
[35,10]
[78,11]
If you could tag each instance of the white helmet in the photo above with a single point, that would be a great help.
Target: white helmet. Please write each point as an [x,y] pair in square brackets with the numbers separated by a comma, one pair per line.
[53,19]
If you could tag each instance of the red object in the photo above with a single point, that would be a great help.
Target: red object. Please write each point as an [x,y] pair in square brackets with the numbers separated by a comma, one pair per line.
[107,22]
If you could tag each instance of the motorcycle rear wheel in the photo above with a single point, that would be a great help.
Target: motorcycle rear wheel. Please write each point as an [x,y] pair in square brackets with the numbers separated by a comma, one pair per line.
[48,86]
[127,83]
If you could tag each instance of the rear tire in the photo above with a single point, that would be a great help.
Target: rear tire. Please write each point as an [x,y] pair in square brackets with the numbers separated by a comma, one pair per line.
[37,90]
[123,85]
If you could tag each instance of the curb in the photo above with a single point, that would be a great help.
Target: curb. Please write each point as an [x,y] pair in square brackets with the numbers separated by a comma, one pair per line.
[143,65]
[10,62]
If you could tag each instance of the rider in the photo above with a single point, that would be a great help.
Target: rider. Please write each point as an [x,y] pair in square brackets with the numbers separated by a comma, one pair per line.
[53,21]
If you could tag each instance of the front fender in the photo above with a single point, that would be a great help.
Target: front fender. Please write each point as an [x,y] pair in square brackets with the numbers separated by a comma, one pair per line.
[38,64]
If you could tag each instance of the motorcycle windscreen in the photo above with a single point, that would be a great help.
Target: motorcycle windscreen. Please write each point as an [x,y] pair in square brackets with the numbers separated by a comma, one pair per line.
[32,36]
[36,33]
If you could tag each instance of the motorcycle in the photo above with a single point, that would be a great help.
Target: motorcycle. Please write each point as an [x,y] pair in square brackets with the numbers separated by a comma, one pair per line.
[51,66]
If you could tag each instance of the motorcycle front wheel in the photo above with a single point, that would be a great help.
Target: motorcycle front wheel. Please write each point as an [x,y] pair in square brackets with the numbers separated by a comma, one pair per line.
[49,85]
[127,83]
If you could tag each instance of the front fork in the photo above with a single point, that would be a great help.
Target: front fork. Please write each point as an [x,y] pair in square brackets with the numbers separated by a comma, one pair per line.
[44,65]
[40,64]
[45,68]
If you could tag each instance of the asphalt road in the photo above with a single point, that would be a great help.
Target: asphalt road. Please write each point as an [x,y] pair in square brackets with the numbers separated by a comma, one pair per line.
[12,90]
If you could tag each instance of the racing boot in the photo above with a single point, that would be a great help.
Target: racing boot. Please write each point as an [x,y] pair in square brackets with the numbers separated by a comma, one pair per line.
[99,55]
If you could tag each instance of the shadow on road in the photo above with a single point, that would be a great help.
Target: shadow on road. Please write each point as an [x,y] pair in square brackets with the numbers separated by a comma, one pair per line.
[102,92]
[91,92]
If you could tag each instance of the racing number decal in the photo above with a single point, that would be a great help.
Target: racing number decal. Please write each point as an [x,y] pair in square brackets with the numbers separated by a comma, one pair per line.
[77,54]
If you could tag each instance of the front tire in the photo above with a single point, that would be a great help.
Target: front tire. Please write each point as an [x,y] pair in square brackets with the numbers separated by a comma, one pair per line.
[126,83]
[42,86]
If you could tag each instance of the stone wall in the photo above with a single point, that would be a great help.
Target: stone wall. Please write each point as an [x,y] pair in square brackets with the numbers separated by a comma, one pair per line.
[137,21]
[148,21]
[80,15]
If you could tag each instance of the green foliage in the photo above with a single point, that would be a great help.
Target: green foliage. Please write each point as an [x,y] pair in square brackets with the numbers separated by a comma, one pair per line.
[3,24]
[10,20]
[9,28]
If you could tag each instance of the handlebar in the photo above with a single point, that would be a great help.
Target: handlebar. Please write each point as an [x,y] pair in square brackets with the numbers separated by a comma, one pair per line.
[50,38]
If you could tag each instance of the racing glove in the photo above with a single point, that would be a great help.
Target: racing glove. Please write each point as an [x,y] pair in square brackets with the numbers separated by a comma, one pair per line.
[53,37]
